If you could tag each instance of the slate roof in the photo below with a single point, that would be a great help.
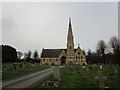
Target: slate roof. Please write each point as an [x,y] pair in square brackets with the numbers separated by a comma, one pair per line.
[52,53]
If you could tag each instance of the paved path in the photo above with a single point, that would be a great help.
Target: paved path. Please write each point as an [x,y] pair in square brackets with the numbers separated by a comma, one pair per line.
[28,81]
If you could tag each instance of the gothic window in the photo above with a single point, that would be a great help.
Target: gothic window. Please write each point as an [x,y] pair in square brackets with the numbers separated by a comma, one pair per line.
[70,47]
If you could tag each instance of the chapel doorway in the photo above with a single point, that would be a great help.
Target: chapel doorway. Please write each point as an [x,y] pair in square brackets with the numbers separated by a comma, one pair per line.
[63,60]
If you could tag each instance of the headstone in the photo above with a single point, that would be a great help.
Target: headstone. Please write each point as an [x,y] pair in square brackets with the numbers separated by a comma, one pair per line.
[101,79]
[90,68]
[83,78]
[56,73]
[20,66]
[116,71]
[100,66]
[71,68]
[14,66]
[114,74]
[87,69]
[74,68]
[62,67]
[83,67]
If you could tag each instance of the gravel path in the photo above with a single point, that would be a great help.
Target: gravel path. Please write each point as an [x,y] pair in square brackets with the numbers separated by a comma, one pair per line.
[28,81]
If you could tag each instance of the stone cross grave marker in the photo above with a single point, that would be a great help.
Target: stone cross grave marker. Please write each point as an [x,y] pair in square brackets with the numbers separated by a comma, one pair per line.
[56,73]
[114,74]
[101,79]
[74,68]
[89,69]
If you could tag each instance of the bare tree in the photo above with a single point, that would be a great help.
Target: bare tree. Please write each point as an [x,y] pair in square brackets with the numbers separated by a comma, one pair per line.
[29,55]
[36,56]
[84,52]
[89,52]
[101,48]
[89,56]
[115,44]
[19,55]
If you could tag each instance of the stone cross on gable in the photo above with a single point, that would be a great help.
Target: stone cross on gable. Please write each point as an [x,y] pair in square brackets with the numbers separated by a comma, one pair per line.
[101,79]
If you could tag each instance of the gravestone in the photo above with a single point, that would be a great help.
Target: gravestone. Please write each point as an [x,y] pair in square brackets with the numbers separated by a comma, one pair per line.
[74,68]
[56,74]
[87,69]
[116,71]
[83,78]
[83,67]
[101,79]
[14,66]
[114,74]
[101,67]
[71,69]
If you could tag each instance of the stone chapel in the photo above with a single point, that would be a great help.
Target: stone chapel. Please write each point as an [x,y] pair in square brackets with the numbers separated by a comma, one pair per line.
[70,55]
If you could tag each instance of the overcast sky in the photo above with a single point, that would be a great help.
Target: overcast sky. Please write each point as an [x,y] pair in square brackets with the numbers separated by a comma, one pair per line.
[33,26]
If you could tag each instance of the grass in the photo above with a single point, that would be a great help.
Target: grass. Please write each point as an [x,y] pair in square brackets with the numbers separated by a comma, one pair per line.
[75,80]
[9,72]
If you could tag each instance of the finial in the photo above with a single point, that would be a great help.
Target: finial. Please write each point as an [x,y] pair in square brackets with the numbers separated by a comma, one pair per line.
[78,45]
[69,19]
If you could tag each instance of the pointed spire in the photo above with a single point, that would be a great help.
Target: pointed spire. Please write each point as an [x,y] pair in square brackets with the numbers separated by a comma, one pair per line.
[78,45]
[70,26]
[69,21]
[70,34]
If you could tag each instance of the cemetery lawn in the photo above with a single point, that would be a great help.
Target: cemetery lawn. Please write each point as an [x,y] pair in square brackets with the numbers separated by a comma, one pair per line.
[86,79]
[9,72]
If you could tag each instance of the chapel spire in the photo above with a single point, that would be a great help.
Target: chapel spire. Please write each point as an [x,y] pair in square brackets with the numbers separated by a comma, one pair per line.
[70,34]
[70,44]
